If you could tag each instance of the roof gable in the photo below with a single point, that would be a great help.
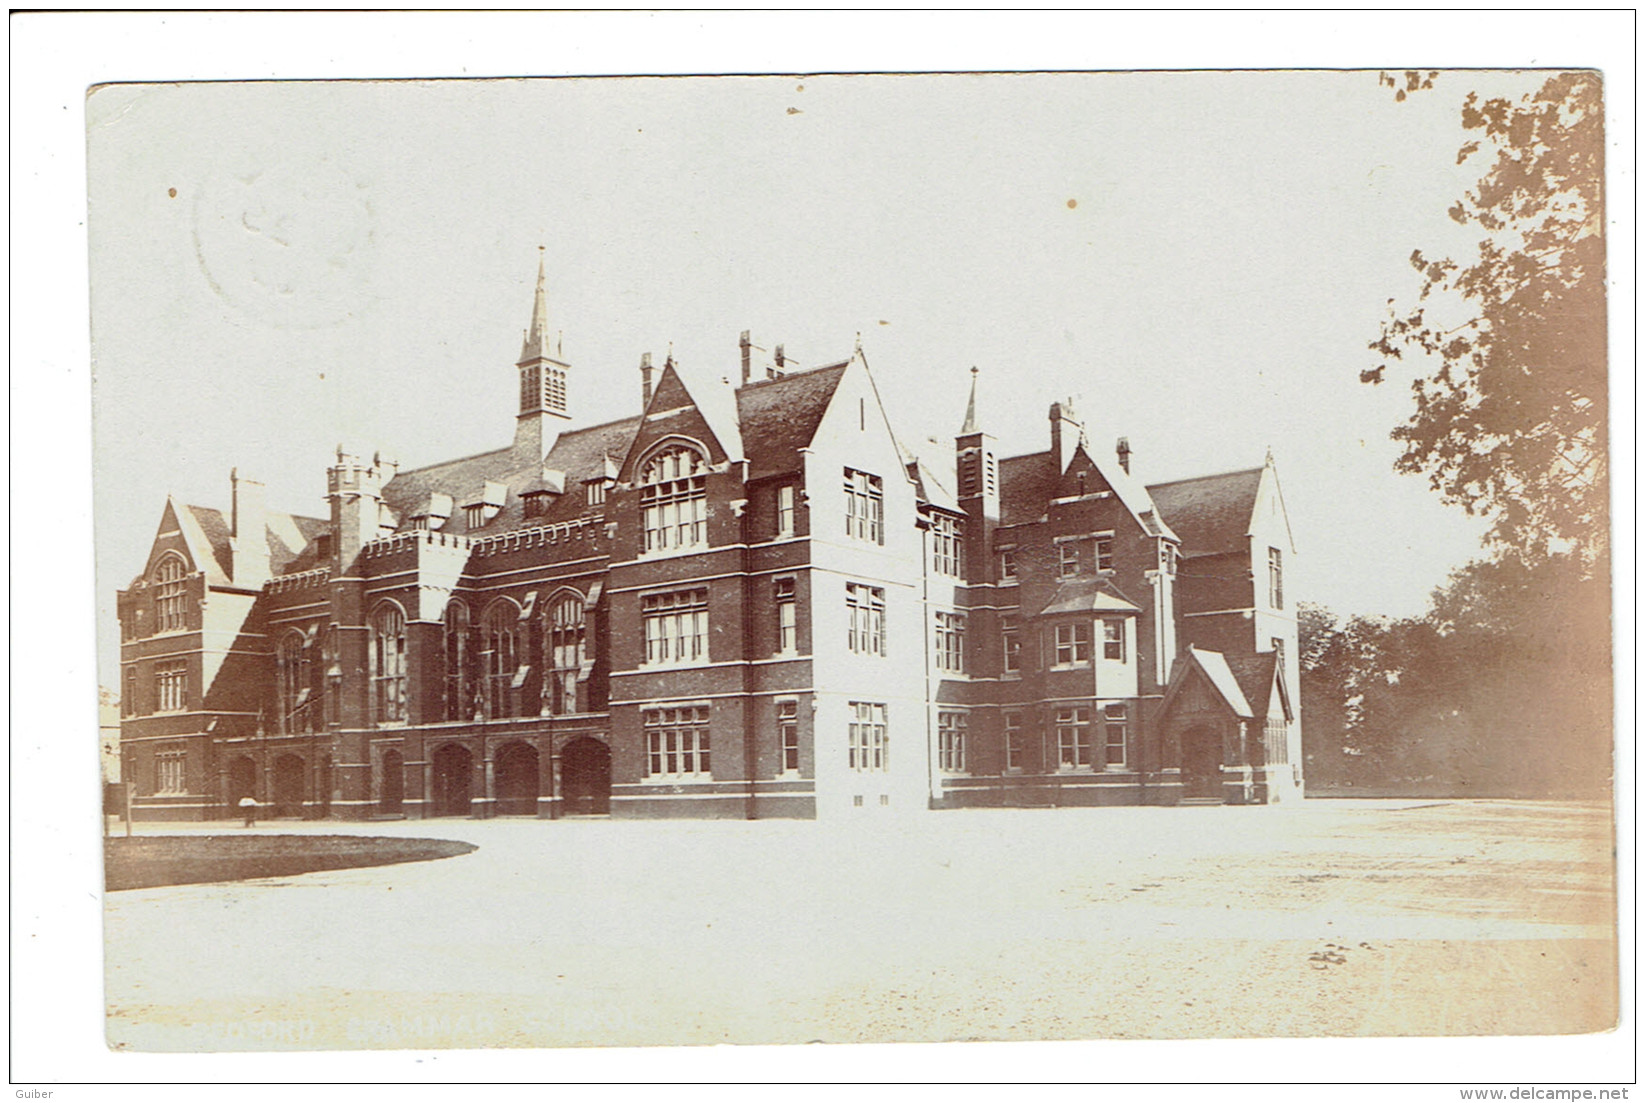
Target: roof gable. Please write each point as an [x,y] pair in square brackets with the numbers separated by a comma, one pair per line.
[1212,513]
[780,416]
[1211,668]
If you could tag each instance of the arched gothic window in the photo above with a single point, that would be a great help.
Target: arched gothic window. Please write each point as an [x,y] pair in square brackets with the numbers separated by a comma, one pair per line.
[673,493]
[564,636]
[297,705]
[499,655]
[169,614]
[460,660]
[388,665]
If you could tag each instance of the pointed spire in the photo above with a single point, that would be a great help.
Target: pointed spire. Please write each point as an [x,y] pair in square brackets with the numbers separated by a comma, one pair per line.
[536,338]
[970,425]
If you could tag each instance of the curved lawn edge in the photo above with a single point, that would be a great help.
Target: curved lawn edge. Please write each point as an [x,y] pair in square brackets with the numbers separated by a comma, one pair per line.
[140,863]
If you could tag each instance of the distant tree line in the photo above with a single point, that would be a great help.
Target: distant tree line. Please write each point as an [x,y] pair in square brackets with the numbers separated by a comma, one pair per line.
[1502,689]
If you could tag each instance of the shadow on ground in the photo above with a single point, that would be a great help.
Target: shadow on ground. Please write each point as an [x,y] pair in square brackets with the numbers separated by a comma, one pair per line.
[182,860]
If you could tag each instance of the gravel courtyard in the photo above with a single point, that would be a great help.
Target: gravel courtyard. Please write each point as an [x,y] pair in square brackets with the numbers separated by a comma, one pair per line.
[1335,917]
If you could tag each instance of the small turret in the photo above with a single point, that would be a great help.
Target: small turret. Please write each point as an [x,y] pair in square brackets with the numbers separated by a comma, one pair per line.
[974,462]
[543,411]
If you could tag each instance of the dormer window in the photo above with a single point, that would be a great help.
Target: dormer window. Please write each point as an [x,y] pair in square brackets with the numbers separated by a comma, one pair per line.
[485,506]
[596,492]
[536,504]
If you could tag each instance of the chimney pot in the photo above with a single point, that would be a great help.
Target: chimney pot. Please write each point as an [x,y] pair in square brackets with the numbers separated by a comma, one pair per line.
[1123,451]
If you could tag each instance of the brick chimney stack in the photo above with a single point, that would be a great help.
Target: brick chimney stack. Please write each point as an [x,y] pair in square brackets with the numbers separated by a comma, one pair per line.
[249,537]
[1123,451]
[645,379]
[746,344]
[1065,433]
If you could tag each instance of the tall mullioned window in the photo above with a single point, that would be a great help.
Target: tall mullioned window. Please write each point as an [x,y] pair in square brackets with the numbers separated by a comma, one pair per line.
[171,686]
[951,730]
[676,626]
[864,506]
[947,545]
[296,672]
[677,741]
[673,499]
[868,744]
[950,648]
[388,665]
[500,658]
[128,695]
[1276,579]
[865,619]
[460,656]
[169,598]
[1011,644]
[565,641]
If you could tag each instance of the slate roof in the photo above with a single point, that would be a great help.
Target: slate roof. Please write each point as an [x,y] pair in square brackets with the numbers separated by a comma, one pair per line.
[780,416]
[1215,665]
[1027,483]
[290,540]
[1211,513]
[215,528]
[1085,595]
[579,453]
[1255,674]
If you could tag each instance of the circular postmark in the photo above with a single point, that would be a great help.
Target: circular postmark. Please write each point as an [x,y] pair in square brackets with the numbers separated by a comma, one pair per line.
[288,241]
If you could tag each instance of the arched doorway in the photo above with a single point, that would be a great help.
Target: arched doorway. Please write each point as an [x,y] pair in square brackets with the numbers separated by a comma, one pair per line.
[453,779]
[517,780]
[242,782]
[391,794]
[585,769]
[288,785]
[1202,762]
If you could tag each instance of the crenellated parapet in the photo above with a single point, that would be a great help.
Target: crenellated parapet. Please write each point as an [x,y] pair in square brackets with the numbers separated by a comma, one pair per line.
[303,580]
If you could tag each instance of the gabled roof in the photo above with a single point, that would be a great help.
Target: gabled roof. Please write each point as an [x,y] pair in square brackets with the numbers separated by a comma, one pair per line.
[1087,595]
[1212,513]
[1258,674]
[579,453]
[780,416]
[1214,667]
[717,403]
[291,542]
[207,530]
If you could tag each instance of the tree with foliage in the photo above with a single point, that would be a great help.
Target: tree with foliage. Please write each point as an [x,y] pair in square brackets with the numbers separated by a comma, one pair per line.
[1510,414]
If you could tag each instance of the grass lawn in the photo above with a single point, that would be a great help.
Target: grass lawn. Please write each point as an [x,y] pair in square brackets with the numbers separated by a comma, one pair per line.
[140,863]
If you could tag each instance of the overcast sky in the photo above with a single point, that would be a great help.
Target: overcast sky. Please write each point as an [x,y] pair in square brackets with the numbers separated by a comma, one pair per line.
[1198,259]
